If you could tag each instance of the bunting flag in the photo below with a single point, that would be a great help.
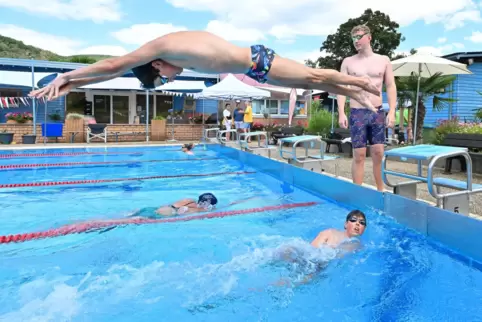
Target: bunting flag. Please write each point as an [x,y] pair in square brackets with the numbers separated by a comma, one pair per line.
[11,102]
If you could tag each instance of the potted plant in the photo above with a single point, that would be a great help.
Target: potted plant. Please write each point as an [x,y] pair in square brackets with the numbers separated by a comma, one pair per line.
[55,117]
[158,128]
[12,118]
[5,137]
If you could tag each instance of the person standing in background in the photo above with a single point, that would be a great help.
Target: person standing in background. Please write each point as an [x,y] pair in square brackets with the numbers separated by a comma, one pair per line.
[366,125]
[227,119]
[248,118]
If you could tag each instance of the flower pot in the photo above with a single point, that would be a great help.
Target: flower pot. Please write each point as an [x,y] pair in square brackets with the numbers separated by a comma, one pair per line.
[29,139]
[6,138]
[11,122]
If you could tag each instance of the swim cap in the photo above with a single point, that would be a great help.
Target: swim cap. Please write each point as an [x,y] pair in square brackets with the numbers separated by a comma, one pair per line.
[149,76]
[208,198]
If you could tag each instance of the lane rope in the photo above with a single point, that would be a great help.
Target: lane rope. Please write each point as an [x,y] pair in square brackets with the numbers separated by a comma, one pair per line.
[94,225]
[63,183]
[67,164]
[66,154]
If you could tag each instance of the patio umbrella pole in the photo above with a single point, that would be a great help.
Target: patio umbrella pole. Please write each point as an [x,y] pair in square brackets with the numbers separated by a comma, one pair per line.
[147,115]
[416,104]
[34,110]
[172,118]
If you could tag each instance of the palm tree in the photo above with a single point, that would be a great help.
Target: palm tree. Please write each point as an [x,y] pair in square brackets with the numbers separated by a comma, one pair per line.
[432,87]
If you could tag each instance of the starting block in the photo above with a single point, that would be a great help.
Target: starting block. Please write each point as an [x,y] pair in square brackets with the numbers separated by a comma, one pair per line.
[261,137]
[232,138]
[305,160]
[208,138]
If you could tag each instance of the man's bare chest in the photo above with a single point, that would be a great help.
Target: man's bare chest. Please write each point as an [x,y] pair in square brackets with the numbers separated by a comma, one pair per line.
[370,68]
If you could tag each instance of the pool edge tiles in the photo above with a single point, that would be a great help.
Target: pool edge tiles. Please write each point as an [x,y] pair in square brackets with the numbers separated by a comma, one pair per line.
[457,232]
[327,186]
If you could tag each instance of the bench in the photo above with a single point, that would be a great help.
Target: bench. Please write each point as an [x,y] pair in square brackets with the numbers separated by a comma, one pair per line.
[469,141]
[286,133]
[336,138]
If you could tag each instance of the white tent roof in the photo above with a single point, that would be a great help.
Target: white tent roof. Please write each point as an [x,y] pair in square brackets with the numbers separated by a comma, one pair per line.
[285,90]
[21,78]
[231,88]
[131,83]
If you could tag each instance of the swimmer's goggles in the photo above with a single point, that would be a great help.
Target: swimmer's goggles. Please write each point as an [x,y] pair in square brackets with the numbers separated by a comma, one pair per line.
[361,221]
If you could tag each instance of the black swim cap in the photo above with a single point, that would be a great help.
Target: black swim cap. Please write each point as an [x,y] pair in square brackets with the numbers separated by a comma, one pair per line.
[356,213]
[147,74]
[208,197]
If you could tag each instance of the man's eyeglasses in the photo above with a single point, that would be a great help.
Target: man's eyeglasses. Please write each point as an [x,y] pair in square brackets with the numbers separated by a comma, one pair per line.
[358,37]
[360,221]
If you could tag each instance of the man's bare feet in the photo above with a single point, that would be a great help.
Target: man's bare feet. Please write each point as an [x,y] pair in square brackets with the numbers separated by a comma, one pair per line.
[363,98]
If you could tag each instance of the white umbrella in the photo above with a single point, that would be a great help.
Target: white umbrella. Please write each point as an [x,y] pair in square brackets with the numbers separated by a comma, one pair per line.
[426,66]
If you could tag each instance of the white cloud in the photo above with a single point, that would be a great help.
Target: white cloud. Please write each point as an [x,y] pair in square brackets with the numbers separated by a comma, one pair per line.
[475,37]
[288,18]
[458,19]
[301,56]
[441,40]
[103,50]
[142,33]
[95,10]
[57,44]
[441,50]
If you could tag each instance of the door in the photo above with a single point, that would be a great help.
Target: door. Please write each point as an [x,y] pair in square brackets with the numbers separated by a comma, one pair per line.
[102,109]
[120,109]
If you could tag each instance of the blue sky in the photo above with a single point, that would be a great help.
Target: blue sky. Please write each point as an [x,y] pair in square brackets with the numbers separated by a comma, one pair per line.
[293,28]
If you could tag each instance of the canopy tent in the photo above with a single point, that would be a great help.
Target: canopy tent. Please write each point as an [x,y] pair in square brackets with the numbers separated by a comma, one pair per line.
[177,87]
[423,65]
[230,88]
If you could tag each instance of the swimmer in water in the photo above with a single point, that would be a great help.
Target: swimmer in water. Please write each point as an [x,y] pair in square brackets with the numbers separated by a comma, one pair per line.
[187,148]
[161,60]
[205,202]
[345,241]
[355,225]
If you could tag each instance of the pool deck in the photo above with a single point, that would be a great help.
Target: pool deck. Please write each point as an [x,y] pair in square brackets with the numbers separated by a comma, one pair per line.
[344,168]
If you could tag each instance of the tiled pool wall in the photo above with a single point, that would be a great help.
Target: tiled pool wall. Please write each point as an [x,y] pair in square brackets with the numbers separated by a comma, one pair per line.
[457,232]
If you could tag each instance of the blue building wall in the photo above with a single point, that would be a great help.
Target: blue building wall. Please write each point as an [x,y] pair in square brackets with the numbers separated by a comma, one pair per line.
[464,90]
[56,106]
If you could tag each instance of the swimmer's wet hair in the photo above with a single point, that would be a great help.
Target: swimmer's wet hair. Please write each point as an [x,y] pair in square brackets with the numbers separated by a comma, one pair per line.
[356,213]
[363,28]
[147,74]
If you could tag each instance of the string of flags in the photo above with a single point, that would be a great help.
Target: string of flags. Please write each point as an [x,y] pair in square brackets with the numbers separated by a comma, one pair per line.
[7,102]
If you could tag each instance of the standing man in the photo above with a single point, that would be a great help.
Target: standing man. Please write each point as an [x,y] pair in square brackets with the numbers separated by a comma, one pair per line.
[366,125]
[248,118]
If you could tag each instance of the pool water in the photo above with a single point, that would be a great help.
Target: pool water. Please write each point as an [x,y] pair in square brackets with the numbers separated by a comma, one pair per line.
[224,269]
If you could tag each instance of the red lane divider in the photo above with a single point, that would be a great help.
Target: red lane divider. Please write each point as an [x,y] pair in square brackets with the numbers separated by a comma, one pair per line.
[63,183]
[45,165]
[94,225]
[68,154]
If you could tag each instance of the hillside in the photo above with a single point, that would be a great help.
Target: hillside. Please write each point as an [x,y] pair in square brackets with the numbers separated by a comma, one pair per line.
[12,48]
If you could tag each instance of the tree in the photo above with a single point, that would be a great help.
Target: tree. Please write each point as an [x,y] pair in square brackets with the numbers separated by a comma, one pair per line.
[385,38]
[434,87]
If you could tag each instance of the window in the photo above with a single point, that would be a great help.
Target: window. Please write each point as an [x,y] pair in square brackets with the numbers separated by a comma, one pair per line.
[272,106]
[163,105]
[279,107]
[258,106]
[75,103]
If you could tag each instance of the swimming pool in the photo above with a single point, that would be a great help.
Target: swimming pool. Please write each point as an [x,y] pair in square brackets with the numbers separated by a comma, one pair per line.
[221,269]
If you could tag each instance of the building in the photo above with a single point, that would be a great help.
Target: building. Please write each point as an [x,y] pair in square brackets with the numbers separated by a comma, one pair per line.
[124,103]
[464,90]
